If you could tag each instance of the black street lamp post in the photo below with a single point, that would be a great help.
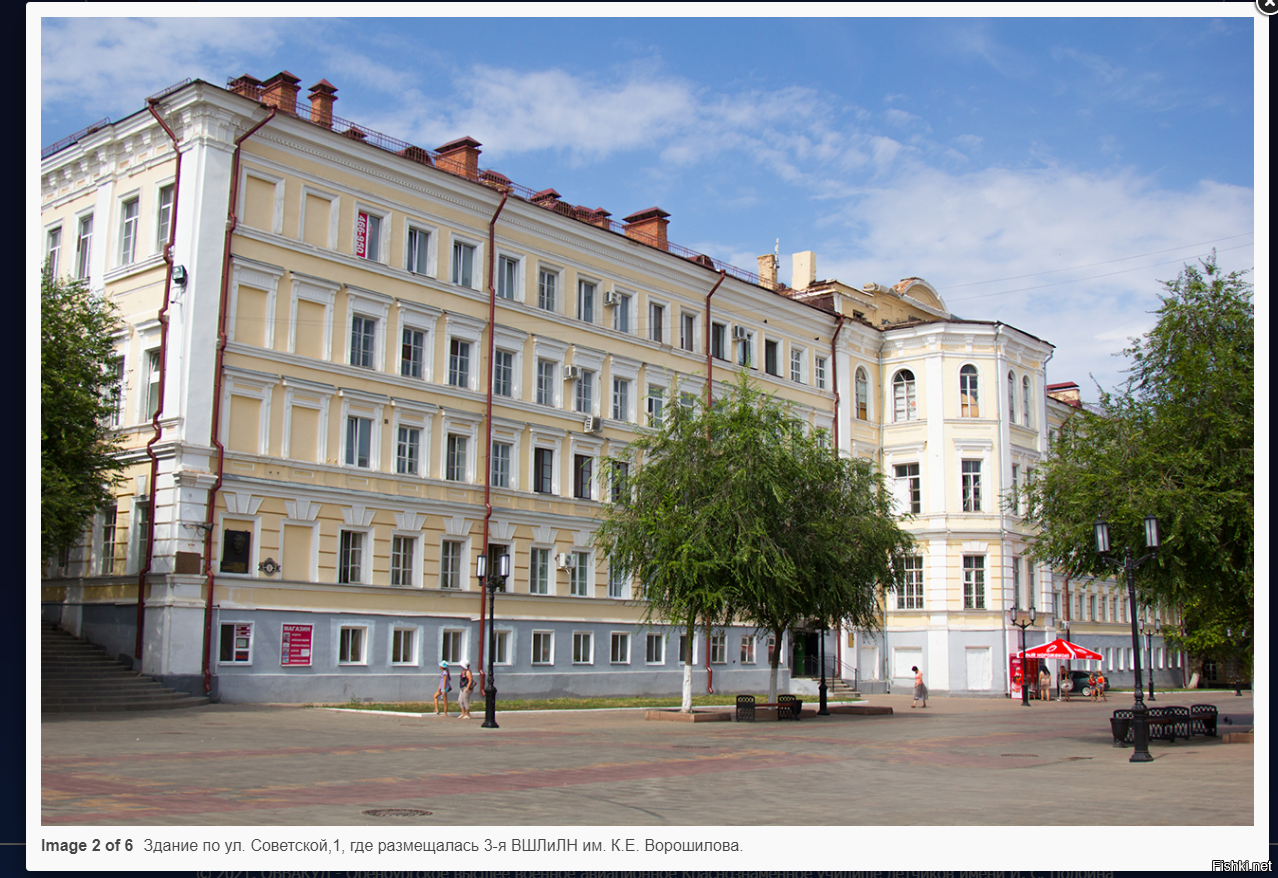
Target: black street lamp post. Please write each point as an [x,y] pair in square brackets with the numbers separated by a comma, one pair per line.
[1022,619]
[1150,628]
[1128,564]
[824,711]
[492,582]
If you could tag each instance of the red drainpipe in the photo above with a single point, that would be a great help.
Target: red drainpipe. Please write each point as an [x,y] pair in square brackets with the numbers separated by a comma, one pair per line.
[834,372]
[488,421]
[217,395]
[163,316]
[709,385]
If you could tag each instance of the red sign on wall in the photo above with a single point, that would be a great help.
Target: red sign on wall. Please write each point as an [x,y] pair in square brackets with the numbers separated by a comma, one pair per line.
[361,235]
[295,645]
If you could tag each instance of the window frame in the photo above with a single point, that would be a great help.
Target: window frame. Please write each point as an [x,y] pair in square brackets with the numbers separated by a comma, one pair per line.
[904,396]
[460,250]
[583,647]
[348,635]
[541,576]
[130,225]
[798,365]
[84,246]
[379,247]
[969,391]
[509,270]
[586,294]
[233,625]
[413,571]
[580,570]
[615,656]
[911,474]
[973,582]
[970,485]
[688,331]
[452,573]
[548,284]
[395,643]
[346,544]
[660,641]
[545,655]
[419,241]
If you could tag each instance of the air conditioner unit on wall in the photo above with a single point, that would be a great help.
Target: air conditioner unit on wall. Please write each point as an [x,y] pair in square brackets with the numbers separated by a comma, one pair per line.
[593,424]
[572,373]
[738,333]
[563,560]
[610,297]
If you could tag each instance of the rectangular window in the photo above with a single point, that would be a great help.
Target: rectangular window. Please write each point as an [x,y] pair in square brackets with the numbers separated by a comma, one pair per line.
[718,648]
[368,236]
[973,582]
[543,470]
[403,646]
[796,366]
[463,264]
[359,438]
[450,564]
[911,595]
[619,654]
[583,467]
[503,373]
[971,486]
[543,643]
[450,646]
[655,650]
[820,373]
[53,249]
[418,251]
[115,394]
[84,247]
[1016,582]
[684,655]
[363,337]
[545,382]
[401,560]
[152,384]
[547,281]
[620,481]
[351,648]
[584,401]
[235,643]
[128,231]
[455,461]
[582,648]
[771,350]
[585,301]
[687,331]
[507,275]
[719,341]
[350,562]
[164,217]
[539,572]
[620,399]
[616,582]
[909,488]
[656,317]
[656,401]
[579,574]
[412,356]
[459,363]
[621,313]
[408,451]
[747,649]
[1029,585]
[1091,609]
[501,465]
[501,647]
[745,350]
[109,518]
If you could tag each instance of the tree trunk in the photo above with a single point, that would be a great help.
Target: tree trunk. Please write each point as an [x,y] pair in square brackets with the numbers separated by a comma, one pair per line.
[776,663]
[1193,681]
[686,706]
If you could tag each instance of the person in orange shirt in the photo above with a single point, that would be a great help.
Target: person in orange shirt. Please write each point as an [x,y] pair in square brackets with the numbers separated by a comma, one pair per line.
[920,690]
[1099,686]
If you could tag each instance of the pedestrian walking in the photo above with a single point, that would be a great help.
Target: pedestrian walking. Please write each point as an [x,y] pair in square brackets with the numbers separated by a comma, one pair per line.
[1044,685]
[920,690]
[465,685]
[1100,685]
[1091,685]
[445,686]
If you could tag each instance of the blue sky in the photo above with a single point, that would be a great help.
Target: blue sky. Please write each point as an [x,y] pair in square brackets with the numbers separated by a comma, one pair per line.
[1043,172]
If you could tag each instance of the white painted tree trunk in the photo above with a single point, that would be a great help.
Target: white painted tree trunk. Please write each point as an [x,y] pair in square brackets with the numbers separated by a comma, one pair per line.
[686,707]
[1193,681]
[772,683]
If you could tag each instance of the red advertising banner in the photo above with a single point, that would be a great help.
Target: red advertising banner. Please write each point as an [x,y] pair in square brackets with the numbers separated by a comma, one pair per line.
[295,645]
[1015,666]
[361,235]
[243,635]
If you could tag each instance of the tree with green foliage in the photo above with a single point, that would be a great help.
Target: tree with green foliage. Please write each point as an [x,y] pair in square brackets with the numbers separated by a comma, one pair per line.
[1175,440]
[78,396]
[738,512]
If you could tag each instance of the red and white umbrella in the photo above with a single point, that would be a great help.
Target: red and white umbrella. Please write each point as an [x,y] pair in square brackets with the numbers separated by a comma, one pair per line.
[1061,649]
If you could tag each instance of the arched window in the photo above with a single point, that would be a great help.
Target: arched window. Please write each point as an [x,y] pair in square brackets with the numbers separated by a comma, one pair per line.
[1011,398]
[903,399]
[1025,401]
[862,395]
[968,403]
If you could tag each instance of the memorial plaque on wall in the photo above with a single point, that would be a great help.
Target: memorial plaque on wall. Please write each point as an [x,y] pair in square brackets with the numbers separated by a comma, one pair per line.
[236,545]
[295,645]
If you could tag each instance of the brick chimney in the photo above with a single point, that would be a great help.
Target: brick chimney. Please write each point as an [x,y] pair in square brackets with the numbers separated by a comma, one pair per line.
[804,270]
[649,227]
[323,94]
[248,86]
[280,91]
[768,271]
[598,217]
[460,157]
[545,198]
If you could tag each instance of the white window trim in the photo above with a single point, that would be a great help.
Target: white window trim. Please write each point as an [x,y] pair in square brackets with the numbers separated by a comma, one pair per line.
[509,634]
[277,207]
[662,659]
[552,571]
[470,331]
[121,200]
[259,276]
[632,298]
[558,273]
[254,522]
[456,423]
[597,306]
[306,394]
[415,661]
[591,659]
[252,641]
[802,353]
[664,305]
[159,237]
[548,438]
[354,625]
[334,208]
[312,574]
[464,564]
[533,643]
[419,549]
[365,555]
[510,435]
[629,647]
[358,404]
[319,292]
[411,315]
[520,262]
[253,385]
[383,243]
[418,416]
[367,304]
[555,352]
[477,261]
[432,246]
[512,341]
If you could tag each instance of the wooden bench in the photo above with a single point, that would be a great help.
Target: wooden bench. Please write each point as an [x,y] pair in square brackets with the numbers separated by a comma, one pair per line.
[786,706]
